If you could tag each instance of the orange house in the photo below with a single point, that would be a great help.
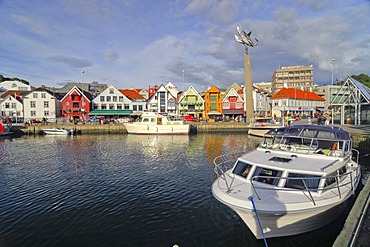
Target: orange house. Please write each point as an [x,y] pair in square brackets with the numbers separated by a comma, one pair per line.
[213,103]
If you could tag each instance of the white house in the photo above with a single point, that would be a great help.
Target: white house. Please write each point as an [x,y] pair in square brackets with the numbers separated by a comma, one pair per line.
[163,102]
[12,106]
[42,103]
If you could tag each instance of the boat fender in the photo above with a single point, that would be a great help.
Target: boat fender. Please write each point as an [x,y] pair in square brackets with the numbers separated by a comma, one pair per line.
[157,129]
[172,129]
[2,129]
[262,125]
[147,127]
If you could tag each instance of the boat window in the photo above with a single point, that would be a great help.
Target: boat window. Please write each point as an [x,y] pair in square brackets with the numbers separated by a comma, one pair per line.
[296,181]
[330,179]
[242,169]
[309,133]
[326,134]
[342,170]
[145,120]
[153,120]
[266,175]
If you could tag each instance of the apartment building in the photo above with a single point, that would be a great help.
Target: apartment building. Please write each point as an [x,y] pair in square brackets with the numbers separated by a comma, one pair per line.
[299,77]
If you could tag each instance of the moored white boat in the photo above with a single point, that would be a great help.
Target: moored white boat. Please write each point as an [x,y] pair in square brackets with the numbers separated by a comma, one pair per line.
[5,130]
[58,131]
[290,184]
[259,126]
[152,123]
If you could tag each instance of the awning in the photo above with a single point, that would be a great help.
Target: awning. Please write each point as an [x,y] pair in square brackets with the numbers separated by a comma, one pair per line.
[232,112]
[110,112]
[214,113]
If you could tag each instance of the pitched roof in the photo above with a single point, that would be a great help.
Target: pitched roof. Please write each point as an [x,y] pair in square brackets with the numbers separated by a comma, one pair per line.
[14,92]
[292,93]
[131,94]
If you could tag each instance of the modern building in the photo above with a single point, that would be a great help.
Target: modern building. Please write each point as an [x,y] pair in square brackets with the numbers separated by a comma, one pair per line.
[300,77]
[352,103]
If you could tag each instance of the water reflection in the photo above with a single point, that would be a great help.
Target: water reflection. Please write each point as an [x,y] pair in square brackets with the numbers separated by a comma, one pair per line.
[112,190]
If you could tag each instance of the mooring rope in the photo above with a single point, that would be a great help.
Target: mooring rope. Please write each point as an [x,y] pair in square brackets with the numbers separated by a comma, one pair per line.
[258,220]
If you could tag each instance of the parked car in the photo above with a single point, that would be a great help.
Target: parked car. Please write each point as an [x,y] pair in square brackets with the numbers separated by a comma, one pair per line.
[190,118]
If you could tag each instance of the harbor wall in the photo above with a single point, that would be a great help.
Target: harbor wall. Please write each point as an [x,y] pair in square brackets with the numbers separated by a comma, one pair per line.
[361,141]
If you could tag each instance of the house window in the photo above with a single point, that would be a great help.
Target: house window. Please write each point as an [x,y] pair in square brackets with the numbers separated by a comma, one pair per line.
[120,98]
[33,104]
[76,104]
[140,108]
[67,103]
[213,106]
[7,105]
[103,106]
[111,106]
[109,99]
[33,113]
[102,98]
[134,107]
[213,98]
[46,113]
[43,95]
[127,106]
[34,95]
[14,105]
[114,98]
[111,90]
[119,106]
[46,104]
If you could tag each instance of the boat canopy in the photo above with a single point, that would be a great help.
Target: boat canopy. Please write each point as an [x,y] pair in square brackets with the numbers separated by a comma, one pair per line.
[312,132]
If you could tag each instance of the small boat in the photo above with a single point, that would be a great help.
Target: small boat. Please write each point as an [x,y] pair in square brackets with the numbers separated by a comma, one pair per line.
[5,130]
[58,131]
[152,123]
[259,126]
[299,179]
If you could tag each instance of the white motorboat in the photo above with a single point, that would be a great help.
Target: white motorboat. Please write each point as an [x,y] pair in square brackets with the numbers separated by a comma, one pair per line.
[259,126]
[292,183]
[5,130]
[154,123]
[58,131]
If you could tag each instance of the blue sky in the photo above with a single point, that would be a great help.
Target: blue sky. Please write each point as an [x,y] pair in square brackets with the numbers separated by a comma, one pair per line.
[141,43]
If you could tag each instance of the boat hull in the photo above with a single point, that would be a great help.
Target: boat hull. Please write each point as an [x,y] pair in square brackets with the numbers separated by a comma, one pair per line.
[291,223]
[258,131]
[57,132]
[147,129]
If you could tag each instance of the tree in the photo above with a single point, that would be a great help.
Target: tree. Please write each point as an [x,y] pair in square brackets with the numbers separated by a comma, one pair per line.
[363,78]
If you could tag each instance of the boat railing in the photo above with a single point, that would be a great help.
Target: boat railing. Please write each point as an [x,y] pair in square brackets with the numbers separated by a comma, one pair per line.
[353,177]
[225,162]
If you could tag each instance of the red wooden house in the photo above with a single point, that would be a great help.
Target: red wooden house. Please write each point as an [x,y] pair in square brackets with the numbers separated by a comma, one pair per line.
[76,104]
[233,104]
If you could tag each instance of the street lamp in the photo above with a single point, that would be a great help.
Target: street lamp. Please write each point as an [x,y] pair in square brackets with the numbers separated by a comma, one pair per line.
[332,70]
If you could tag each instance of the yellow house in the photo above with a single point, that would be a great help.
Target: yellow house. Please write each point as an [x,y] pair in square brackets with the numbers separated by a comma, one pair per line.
[213,103]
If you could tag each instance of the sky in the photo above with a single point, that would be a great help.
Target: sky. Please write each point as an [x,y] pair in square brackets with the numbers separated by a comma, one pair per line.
[142,43]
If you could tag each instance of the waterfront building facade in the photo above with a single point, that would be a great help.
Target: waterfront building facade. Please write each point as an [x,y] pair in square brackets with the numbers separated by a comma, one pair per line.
[191,103]
[138,102]
[261,102]
[42,104]
[111,103]
[162,102]
[299,77]
[233,104]
[295,101]
[76,105]
[212,103]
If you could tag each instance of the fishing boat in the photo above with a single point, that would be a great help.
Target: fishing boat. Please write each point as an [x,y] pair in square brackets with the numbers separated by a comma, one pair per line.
[58,131]
[259,126]
[297,180]
[5,130]
[152,123]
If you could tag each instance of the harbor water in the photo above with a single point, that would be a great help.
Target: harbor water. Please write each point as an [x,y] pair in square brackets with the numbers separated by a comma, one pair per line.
[125,190]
